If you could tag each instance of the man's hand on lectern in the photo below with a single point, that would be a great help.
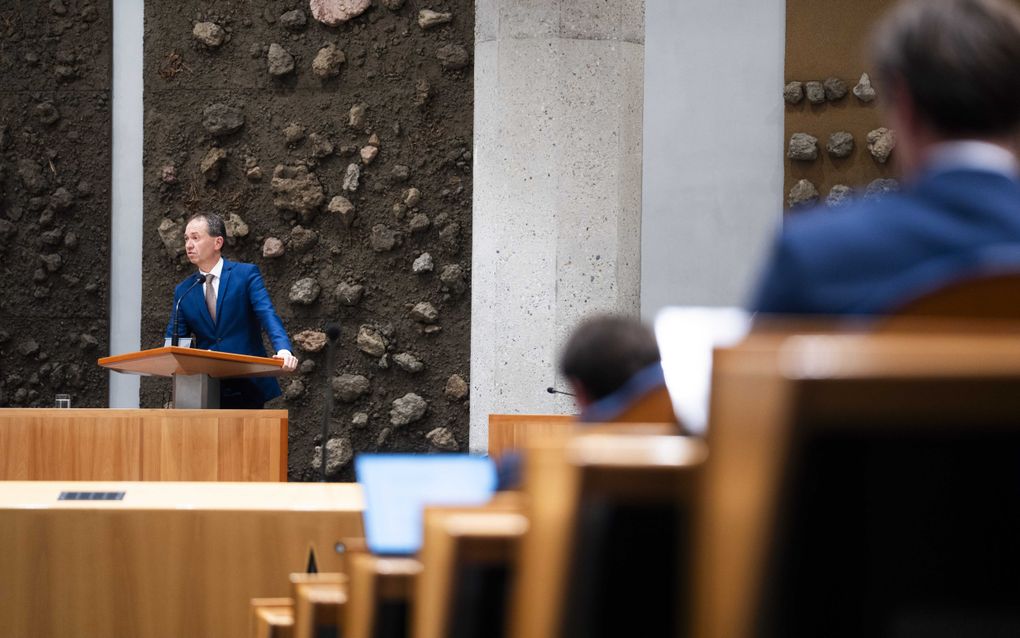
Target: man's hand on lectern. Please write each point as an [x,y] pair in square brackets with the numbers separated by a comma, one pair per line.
[289,361]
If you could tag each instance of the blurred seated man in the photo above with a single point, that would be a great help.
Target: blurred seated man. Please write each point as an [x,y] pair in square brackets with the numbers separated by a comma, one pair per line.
[613,366]
[949,76]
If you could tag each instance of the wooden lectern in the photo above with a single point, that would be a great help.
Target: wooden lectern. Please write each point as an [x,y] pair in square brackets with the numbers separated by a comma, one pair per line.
[196,373]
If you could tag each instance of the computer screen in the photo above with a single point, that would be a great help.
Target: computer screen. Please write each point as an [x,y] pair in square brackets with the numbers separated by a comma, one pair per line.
[398,487]
[686,338]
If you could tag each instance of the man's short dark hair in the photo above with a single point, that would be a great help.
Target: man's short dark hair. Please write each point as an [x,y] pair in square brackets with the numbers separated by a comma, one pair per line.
[604,352]
[958,59]
[216,226]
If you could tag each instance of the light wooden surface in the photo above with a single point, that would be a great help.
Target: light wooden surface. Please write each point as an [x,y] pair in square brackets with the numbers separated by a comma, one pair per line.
[318,601]
[143,445]
[375,579]
[272,618]
[638,466]
[172,360]
[512,431]
[760,391]
[454,538]
[170,560]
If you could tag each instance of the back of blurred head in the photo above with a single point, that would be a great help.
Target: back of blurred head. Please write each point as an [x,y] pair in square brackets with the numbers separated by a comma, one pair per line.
[603,353]
[949,70]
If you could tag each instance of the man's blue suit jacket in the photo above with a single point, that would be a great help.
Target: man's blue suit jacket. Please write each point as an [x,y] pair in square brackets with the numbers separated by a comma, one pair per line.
[875,255]
[243,310]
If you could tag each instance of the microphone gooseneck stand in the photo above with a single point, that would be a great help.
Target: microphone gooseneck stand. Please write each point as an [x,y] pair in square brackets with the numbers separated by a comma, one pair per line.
[332,333]
[199,279]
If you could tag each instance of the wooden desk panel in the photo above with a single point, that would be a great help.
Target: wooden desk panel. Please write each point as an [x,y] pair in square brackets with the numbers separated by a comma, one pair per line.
[171,560]
[151,445]
[513,431]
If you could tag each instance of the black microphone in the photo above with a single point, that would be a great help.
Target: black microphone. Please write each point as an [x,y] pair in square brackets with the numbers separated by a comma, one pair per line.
[552,390]
[199,279]
[332,334]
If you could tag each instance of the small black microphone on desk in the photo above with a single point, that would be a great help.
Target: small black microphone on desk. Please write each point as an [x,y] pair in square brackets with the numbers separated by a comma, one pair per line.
[552,390]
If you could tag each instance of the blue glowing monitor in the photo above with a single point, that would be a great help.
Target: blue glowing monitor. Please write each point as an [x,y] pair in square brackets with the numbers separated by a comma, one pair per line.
[397,487]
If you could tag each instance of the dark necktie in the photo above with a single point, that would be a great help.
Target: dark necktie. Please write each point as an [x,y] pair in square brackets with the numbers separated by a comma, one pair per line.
[210,296]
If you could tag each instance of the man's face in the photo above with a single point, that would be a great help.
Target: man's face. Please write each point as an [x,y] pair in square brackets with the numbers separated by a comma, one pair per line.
[202,248]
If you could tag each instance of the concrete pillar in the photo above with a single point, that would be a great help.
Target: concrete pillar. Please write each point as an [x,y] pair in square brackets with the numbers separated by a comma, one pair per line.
[557,189]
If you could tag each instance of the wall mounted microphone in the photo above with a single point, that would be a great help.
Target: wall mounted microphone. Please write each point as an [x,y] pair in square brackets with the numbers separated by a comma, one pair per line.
[552,390]
[199,279]
[332,334]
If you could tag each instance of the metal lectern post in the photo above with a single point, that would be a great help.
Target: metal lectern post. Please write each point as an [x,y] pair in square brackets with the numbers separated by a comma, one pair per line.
[196,392]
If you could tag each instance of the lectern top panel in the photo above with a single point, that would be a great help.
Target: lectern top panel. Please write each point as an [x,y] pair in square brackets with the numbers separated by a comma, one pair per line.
[173,360]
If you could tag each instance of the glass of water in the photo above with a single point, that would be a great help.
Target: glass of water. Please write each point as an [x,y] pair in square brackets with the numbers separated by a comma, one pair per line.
[63,401]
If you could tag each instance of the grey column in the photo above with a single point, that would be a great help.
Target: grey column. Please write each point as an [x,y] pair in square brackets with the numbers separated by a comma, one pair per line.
[557,189]
[126,231]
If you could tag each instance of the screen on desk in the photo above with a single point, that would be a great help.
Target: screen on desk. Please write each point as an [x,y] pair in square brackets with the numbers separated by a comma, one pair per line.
[398,487]
[686,336]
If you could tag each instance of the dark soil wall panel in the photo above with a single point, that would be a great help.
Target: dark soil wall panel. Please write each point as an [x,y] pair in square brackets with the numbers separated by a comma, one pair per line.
[55,89]
[337,186]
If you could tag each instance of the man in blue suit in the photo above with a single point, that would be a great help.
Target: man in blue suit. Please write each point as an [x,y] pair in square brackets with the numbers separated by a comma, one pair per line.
[949,71]
[228,312]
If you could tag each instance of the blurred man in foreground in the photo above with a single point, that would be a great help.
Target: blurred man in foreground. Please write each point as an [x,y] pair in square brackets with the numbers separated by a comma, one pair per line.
[949,75]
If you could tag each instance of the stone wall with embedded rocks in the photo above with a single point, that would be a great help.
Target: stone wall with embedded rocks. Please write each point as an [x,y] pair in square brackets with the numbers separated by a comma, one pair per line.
[334,137]
[55,81]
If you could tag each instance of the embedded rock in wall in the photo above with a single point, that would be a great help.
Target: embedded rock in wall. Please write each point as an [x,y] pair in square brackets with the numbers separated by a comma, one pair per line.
[212,163]
[336,12]
[304,291]
[815,92]
[456,388]
[442,439]
[294,20]
[803,147]
[839,195]
[793,92]
[881,143]
[864,91]
[327,62]
[303,239]
[272,248]
[452,57]
[338,454]
[880,188]
[408,362]
[802,195]
[424,312]
[343,208]
[297,190]
[236,227]
[208,33]
[310,340]
[428,18]
[279,60]
[841,144]
[835,89]
[422,264]
[220,119]
[348,294]
[407,409]
[371,341]
[350,387]
[172,235]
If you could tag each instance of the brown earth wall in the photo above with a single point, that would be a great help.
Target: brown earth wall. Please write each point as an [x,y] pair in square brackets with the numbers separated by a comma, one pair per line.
[55,90]
[413,91]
